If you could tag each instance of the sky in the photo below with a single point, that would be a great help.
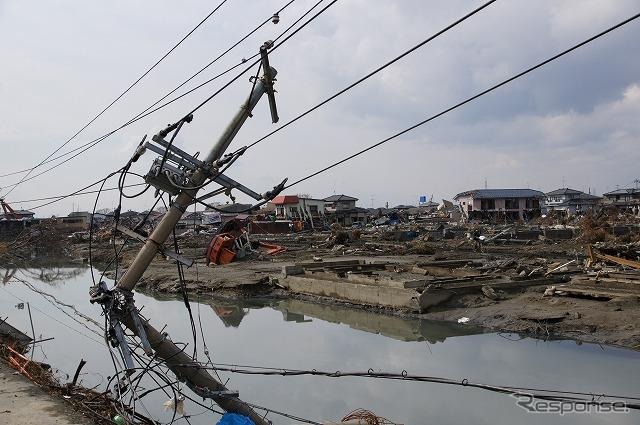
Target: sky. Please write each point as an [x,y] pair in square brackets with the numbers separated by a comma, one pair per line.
[573,123]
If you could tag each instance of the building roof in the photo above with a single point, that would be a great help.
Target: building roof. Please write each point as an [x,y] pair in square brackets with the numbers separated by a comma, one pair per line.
[564,191]
[285,199]
[193,215]
[622,192]
[501,193]
[128,214]
[587,196]
[335,198]
[403,207]
[583,198]
[429,204]
[79,214]
[234,208]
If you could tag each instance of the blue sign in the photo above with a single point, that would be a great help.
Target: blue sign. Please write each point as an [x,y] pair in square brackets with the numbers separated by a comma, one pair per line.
[423,199]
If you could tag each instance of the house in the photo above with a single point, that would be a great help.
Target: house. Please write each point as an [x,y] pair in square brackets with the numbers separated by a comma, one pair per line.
[340,202]
[428,207]
[342,209]
[569,201]
[624,199]
[191,219]
[294,207]
[231,211]
[18,215]
[74,222]
[500,204]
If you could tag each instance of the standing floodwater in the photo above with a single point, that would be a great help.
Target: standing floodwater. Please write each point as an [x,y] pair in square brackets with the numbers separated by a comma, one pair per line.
[300,335]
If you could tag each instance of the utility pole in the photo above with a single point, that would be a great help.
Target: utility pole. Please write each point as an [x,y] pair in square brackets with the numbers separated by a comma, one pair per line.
[153,341]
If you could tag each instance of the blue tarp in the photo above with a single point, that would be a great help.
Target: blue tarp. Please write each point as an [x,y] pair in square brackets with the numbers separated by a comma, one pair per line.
[234,419]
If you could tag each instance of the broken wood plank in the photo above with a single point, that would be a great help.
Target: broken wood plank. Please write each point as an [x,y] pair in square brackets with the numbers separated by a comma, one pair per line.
[592,292]
[611,258]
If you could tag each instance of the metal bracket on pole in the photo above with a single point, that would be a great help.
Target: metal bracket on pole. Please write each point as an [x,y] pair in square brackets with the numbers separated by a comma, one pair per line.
[138,237]
[163,133]
[124,347]
[188,262]
[268,80]
[229,183]
[146,347]
[207,393]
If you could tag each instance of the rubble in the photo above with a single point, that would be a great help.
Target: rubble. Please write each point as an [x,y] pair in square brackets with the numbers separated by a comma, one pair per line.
[499,275]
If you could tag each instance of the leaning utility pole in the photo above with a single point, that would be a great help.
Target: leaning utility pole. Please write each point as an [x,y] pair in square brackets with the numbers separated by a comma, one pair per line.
[182,175]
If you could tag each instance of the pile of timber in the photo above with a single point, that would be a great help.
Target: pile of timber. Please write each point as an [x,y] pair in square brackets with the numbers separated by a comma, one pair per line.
[604,285]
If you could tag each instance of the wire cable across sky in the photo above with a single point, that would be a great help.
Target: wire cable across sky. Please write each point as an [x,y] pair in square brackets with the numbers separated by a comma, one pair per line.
[98,140]
[201,70]
[468,100]
[119,96]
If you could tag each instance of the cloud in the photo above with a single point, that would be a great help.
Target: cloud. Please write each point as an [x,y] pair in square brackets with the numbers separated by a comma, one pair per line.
[573,118]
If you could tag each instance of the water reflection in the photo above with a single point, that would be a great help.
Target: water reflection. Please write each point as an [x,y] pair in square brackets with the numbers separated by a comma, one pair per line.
[398,328]
[301,335]
[232,312]
[48,274]
[52,275]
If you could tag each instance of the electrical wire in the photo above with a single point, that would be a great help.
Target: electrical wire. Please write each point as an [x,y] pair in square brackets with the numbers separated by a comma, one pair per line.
[61,197]
[119,96]
[76,192]
[374,72]
[468,100]
[53,318]
[91,144]
[549,394]
[174,89]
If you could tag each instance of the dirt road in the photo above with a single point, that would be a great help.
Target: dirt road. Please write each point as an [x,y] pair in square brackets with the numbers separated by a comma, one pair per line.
[24,403]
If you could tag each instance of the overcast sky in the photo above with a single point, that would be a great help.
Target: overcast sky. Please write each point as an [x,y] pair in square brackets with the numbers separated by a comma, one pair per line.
[574,121]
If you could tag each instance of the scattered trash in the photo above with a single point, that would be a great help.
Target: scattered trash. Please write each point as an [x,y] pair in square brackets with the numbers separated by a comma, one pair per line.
[365,417]
[490,293]
[463,320]
[177,404]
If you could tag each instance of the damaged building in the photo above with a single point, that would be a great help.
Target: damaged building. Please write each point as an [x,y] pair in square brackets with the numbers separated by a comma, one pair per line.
[342,209]
[500,204]
[569,201]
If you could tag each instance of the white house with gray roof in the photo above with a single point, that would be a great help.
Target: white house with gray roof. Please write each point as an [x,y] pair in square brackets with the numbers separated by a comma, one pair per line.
[569,201]
[500,204]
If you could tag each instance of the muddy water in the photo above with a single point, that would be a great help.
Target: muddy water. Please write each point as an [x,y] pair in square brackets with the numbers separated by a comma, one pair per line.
[301,335]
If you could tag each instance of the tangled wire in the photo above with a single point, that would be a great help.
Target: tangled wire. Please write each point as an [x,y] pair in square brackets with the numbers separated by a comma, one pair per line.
[365,417]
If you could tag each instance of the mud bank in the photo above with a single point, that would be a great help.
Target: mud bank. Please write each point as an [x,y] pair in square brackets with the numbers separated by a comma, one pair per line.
[520,308]
[526,311]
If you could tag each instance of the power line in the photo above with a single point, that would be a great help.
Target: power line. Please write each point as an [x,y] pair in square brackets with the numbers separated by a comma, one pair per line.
[121,94]
[264,22]
[77,191]
[374,72]
[139,117]
[369,75]
[577,397]
[468,100]
[54,319]
[61,197]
